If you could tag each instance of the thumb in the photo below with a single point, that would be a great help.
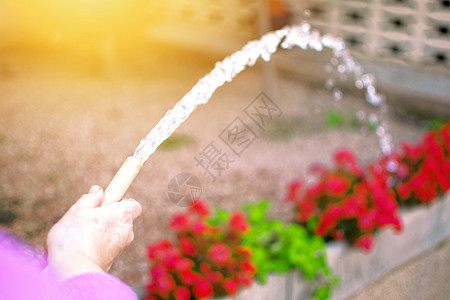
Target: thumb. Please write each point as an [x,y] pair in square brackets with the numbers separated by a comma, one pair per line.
[92,199]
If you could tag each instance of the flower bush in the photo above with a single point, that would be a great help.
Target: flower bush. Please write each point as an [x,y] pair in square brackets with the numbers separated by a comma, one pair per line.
[216,256]
[421,172]
[279,247]
[206,259]
[347,202]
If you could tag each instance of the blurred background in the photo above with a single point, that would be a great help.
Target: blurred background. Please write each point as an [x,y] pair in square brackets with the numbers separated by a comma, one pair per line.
[81,82]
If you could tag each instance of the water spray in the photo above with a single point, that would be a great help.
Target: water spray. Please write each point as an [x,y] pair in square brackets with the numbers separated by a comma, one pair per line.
[297,35]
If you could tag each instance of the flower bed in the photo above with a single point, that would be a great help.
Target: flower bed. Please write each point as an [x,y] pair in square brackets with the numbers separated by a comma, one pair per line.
[349,205]
[425,227]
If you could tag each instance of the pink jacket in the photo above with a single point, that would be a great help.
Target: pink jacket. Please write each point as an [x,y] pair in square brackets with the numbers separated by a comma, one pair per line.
[21,277]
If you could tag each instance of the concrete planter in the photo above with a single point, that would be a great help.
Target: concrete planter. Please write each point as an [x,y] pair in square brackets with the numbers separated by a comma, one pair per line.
[424,228]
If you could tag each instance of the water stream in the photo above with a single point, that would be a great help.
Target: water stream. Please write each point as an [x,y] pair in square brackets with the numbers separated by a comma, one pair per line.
[301,36]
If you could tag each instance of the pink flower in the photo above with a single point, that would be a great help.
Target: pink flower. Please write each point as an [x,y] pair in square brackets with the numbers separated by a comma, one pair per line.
[219,253]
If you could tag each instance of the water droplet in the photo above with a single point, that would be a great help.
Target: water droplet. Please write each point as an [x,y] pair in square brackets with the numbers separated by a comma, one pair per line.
[337,94]
[392,166]
[307,13]
[373,118]
[361,115]
[329,83]
[385,147]
[359,84]
[328,68]
[380,131]
[306,27]
[368,80]
[334,61]
[341,69]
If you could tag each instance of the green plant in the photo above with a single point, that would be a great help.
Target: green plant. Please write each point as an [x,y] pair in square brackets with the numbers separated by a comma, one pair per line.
[334,119]
[279,247]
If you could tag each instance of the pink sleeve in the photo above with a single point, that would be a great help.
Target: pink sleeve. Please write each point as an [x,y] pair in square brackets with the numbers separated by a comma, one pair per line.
[96,286]
[21,278]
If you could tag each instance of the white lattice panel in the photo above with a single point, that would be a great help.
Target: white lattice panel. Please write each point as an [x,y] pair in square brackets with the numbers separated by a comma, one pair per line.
[412,31]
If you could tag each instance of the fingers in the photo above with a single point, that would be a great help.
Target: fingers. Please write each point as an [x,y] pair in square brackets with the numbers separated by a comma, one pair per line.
[125,211]
[132,207]
[93,199]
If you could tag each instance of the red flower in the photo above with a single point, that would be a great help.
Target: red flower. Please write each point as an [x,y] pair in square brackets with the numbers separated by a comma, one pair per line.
[353,206]
[187,245]
[182,293]
[179,222]
[205,268]
[198,228]
[219,253]
[306,208]
[243,278]
[243,251]
[238,222]
[293,190]
[248,267]
[230,286]
[338,185]
[338,235]
[365,242]
[367,221]
[212,250]
[155,249]
[184,264]
[328,220]
[214,277]
[317,169]
[189,277]
[202,289]
[403,190]
[170,257]
[164,284]
[199,207]
[344,157]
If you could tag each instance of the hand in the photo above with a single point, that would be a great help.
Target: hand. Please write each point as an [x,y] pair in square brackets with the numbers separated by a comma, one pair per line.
[89,237]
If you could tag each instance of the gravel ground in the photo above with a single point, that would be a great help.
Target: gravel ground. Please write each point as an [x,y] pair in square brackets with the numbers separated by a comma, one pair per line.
[66,126]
